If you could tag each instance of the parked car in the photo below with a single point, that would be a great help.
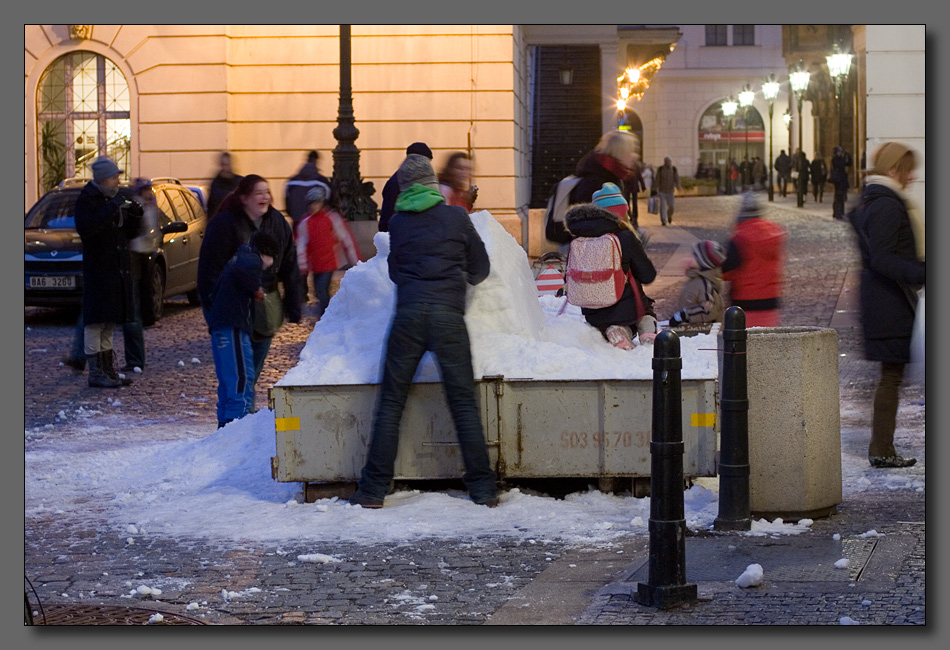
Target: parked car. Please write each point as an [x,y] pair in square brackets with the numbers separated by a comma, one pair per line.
[53,250]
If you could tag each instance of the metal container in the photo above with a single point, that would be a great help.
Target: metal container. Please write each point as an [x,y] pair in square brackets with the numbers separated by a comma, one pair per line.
[534,429]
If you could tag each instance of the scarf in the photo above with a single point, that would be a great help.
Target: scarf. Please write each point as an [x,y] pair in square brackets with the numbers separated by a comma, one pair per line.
[913,212]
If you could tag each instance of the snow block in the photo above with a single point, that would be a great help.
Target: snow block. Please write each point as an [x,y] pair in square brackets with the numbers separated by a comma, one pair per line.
[794,422]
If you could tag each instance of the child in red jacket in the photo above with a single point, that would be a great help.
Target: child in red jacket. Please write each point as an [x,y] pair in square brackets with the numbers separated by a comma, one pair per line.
[325,243]
[755,264]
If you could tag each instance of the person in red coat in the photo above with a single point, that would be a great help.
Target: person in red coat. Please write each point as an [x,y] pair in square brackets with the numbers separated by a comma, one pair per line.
[755,264]
[325,243]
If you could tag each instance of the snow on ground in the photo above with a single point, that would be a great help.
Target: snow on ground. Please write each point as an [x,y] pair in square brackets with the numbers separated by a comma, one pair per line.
[187,482]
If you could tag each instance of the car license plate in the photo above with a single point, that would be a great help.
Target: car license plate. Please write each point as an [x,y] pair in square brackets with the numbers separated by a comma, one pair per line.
[52,281]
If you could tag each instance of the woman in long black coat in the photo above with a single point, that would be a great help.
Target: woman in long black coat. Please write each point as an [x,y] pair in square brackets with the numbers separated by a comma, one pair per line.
[893,273]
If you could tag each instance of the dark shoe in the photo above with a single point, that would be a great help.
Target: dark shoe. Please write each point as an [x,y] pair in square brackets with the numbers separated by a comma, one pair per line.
[891,461]
[365,501]
[97,378]
[107,365]
[75,364]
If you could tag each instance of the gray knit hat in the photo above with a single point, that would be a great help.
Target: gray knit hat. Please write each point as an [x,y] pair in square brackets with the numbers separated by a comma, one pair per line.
[104,168]
[416,169]
[319,192]
[751,207]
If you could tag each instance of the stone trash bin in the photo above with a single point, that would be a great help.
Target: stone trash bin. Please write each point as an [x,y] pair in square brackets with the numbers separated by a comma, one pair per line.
[794,422]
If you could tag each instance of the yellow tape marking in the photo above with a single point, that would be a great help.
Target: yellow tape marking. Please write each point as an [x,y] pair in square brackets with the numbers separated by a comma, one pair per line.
[287,424]
[703,419]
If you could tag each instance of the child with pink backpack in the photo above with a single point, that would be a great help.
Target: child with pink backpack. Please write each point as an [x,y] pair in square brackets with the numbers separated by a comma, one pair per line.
[610,294]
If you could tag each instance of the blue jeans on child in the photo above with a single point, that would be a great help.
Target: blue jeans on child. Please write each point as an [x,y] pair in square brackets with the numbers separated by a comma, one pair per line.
[234,367]
[417,328]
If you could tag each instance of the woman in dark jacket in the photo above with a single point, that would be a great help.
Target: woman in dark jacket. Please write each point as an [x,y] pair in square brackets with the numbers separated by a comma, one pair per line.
[611,161]
[893,273]
[618,322]
[245,211]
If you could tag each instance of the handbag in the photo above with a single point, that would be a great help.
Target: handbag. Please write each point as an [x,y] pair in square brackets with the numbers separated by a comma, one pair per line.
[652,207]
[268,315]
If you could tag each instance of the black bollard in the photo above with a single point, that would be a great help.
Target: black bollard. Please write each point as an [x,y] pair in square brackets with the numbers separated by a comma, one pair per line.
[734,426]
[667,585]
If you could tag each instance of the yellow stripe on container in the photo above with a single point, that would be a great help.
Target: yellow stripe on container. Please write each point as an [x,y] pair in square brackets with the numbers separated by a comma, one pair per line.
[287,424]
[703,419]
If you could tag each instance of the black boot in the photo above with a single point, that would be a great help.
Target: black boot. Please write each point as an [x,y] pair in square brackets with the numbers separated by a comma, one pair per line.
[97,378]
[77,364]
[107,365]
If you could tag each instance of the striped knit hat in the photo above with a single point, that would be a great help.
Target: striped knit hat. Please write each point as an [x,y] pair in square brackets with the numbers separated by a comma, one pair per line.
[708,254]
[607,196]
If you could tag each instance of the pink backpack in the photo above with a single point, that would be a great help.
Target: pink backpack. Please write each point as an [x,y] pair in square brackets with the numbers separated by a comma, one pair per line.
[594,277]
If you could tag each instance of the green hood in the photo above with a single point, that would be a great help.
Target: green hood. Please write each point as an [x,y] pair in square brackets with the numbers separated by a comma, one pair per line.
[418,198]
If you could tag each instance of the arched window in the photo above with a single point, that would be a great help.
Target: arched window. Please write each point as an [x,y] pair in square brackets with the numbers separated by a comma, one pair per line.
[83,106]
[721,139]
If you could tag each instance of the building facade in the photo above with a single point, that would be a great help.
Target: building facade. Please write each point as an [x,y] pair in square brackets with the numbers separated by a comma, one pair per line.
[525,100]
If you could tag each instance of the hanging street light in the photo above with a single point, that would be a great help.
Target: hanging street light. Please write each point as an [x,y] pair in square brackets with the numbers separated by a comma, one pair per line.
[839,63]
[798,78]
[770,92]
[729,110]
[746,97]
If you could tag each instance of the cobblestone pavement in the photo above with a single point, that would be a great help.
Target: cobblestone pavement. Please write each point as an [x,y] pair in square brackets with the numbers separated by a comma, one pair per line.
[459,581]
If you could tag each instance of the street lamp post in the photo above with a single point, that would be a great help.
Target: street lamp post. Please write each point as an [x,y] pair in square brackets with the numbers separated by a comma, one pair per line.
[770,92]
[354,196]
[729,110]
[839,63]
[746,96]
[798,78]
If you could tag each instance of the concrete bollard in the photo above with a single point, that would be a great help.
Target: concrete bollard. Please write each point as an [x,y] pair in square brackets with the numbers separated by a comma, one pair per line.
[667,585]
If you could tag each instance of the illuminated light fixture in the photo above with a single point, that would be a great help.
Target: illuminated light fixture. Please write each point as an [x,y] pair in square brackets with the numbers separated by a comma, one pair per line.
[799,78]
[787,118]
[635,80]
[746,97]
[624,92]
[729,107]
[621,104]
[770,91]
[567,76]
[838,64]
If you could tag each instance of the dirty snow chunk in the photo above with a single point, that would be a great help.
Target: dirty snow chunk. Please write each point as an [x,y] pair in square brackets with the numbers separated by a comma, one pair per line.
[137,370]
[143,590]
[842,563]
[847,620]
[129,541]
[116,403]
[866,602]
[323,508]
[836,536]
[181,363]
[636,521]
[195,360]
[317,558]
[155,618]
[61,415]
[751,577]
[131,529]
[871,533]
[191,607]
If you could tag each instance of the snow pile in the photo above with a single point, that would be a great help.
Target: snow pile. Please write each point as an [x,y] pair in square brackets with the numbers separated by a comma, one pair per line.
[514,333]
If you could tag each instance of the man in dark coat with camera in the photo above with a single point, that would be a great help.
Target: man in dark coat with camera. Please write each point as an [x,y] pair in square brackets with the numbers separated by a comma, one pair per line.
[106,220]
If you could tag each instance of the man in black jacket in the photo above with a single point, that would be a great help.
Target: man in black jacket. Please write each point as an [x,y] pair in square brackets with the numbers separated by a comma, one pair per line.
[297,186]
[105,220]
[435,252]
[391,188]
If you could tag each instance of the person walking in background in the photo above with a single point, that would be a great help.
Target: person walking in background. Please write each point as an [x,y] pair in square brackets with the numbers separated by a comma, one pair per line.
[745,173]
[105,220]
[891,241]
[667,182]
[633,313]
[700,300]
[633,183]
[783,166]
[231,322]
[245,211]
[800,169]
[755,264]
[840,161]
[760,179]
[435,252]
[297,186]
[223,183]
[819,176]
[455,181]
[391,188]
[325,243]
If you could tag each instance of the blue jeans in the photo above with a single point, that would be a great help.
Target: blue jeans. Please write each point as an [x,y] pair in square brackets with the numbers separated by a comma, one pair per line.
[666,206]
[321,287]
[259,350]
[234,367]
[417,328]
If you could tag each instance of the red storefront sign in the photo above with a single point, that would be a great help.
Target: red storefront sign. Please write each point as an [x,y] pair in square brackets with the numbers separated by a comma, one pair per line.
[734,136]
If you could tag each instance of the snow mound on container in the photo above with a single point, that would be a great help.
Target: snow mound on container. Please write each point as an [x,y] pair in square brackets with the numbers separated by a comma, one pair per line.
[514,333]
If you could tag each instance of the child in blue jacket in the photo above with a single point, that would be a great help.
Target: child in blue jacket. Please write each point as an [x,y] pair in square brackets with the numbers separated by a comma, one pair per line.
[231,321]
